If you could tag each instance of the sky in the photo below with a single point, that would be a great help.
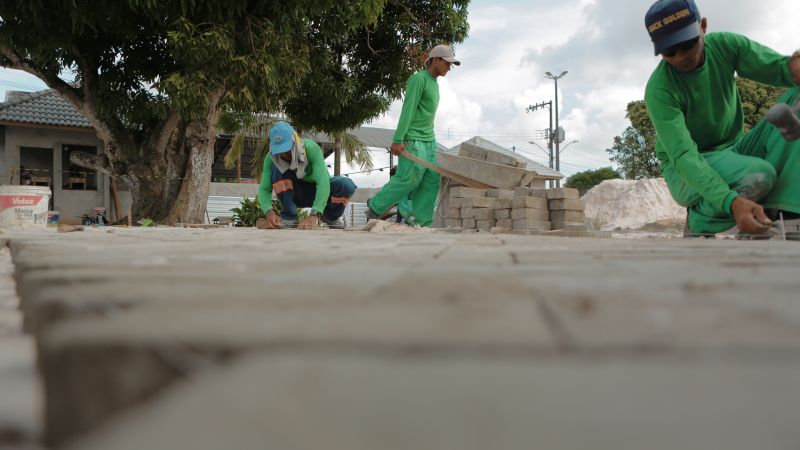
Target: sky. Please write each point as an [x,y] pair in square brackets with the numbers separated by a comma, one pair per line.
[511,44]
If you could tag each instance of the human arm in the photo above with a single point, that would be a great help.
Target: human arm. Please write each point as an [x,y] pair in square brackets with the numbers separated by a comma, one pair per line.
[760,63]
[676,141]
[319,175]
[265,195]
[414,88]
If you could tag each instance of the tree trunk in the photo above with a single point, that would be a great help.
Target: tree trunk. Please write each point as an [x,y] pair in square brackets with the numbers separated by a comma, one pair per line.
[337,156]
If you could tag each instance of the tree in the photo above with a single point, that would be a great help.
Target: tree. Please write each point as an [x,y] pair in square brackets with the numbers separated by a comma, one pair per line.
[583,181]
[152,77]
[635,151]
[756,98]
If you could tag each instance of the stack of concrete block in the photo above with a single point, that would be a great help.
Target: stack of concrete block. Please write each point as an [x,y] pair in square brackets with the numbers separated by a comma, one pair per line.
[566,209]
[479,209]
[529,210]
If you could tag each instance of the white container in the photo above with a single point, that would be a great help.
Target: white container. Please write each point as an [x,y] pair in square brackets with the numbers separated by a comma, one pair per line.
[23,206]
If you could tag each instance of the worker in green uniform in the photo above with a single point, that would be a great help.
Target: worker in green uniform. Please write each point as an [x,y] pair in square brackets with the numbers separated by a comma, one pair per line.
[415,134]
[722,175]
[295,170]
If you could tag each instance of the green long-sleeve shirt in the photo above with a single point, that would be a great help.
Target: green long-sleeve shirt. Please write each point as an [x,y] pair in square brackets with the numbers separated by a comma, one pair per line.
[316,172]
[700,111]
[419,109]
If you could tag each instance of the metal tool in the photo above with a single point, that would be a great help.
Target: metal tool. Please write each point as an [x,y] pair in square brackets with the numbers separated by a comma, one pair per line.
[784,118]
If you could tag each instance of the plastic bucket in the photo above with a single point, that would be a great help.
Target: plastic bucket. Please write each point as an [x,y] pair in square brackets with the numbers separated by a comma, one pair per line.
[23,206]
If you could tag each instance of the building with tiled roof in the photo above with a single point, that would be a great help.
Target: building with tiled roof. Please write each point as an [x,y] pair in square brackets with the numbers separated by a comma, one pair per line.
[38,132]
[41,108]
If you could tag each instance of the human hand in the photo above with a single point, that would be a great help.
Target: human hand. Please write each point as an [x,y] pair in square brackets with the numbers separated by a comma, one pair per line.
[750,216]
[396,149]
[273,220]
[309,222]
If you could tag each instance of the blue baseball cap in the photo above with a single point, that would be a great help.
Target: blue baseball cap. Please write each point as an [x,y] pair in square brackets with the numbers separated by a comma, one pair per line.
[670,22]
[281,138]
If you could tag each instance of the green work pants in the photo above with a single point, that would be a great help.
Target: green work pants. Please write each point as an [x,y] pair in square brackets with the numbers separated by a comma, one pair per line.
[761,166]
[422,183]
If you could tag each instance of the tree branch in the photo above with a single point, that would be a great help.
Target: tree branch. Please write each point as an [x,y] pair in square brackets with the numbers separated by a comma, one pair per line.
[99,163]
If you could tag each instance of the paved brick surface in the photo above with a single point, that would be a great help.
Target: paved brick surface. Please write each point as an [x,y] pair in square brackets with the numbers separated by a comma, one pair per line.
[181,338]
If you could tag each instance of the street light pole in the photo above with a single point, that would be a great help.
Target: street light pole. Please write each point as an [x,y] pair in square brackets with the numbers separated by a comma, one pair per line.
[558,130]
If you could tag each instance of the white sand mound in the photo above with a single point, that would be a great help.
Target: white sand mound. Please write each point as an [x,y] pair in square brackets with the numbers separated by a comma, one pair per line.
[631,204]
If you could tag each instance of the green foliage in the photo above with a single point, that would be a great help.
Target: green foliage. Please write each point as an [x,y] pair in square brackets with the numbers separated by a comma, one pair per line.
[583,181]
[635,151]
[756,98]
[248,213]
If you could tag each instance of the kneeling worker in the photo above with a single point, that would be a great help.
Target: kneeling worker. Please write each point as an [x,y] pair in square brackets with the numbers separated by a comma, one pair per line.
[295,169]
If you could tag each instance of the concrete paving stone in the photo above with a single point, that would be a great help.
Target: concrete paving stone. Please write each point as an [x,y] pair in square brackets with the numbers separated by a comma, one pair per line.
[465,192]
[499,158]
[484,214]
[567,216]
[93,368]
[395,403]
[478,202]
[563,193]
[530,192]
[467,213]
[454,223]
[500,193]
[473,152]
[580,233]
[469,223]
[502,214]
[530,213]
[531,224]
[495,175]
[454,213]
[502,203]
[504,223]
[454,202]
[529,202]
[566,204]
[485,224]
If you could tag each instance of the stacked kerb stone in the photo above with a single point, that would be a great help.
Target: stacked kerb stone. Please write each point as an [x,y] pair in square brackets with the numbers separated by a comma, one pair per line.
[502,207]
[478,209]
[566,209]
[529,210]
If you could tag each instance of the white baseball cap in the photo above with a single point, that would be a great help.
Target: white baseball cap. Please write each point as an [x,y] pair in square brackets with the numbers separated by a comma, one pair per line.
[445,52]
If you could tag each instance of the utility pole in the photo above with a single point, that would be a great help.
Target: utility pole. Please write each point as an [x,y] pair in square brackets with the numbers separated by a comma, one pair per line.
[549,106]
[558,129]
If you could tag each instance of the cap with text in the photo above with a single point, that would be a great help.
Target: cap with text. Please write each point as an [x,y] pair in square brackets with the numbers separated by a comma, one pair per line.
[670,22]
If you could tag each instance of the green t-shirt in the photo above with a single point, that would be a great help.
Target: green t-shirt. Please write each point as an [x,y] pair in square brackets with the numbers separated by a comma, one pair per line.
[419,109]
[700,111]
[316,172]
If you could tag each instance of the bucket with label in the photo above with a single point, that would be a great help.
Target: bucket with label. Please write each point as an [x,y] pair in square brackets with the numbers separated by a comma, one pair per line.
[23,206]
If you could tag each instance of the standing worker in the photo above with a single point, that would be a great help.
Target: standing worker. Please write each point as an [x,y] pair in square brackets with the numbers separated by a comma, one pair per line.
[415,134]
[722,175]
[295,169]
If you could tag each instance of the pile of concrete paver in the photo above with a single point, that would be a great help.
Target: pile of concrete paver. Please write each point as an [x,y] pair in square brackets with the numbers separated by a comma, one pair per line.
[521,209]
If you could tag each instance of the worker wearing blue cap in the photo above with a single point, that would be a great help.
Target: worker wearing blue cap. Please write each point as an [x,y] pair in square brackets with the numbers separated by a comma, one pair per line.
[725,177]
[295,170]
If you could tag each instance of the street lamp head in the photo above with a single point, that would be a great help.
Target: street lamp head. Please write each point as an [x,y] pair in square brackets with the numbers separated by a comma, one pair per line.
[549,75]
[562,74]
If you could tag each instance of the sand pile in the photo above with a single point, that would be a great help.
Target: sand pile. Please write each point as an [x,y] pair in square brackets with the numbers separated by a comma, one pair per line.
[632,204]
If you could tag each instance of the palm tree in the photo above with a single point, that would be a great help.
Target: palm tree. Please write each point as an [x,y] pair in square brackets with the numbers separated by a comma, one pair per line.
[255,128]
